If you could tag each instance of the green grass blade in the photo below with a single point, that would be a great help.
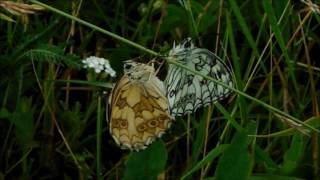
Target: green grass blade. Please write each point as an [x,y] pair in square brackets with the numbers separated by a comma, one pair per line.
[115,36]
[237,160]
[244,27]
[208,159]
[146,164]
[294,154]
[99,134]
[279,37]
[90,83]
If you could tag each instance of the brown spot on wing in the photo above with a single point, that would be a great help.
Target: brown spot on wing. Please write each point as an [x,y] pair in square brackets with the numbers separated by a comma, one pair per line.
[139,114]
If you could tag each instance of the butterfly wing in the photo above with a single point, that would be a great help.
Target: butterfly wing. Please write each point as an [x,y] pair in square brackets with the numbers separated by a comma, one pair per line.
[187,92]
[139,113]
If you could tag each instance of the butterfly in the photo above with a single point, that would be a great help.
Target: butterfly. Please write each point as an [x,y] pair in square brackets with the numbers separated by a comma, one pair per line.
[139,107]
[187,92]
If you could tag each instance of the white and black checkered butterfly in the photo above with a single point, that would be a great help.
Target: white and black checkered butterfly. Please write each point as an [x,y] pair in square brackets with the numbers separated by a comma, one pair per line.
[187,92]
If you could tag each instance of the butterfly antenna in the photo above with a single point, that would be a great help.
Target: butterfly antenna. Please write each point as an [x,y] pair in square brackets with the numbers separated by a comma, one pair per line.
[160,65]
[153,61]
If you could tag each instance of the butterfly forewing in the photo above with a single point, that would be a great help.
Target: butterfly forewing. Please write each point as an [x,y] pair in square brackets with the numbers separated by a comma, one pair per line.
[139,108]
[187,92]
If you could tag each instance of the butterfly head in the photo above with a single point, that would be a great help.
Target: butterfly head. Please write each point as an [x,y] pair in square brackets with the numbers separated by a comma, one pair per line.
[137,71]
[182,48]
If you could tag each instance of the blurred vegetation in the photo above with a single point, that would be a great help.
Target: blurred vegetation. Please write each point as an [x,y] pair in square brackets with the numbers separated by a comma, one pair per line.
[50,106]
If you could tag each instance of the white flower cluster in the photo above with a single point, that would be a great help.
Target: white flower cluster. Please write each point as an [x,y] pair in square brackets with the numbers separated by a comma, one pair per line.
[99,65]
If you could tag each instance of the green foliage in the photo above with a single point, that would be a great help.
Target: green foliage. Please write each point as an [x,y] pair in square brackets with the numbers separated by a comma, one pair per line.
[293,156]
[53,54]
[22,119]
[267,129]
[237,155]
[208,159]
[147,164]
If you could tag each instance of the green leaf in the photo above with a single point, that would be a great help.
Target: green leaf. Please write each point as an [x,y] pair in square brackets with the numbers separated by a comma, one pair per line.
[262,158]
[147,164]
[176,16]
[23,121]
[211,155]
[232,121]
[5,17]
[280,39]
[4,113]
[244,27]
[273,177]
[198,142]
[237,161]
[53,54]
[203,17]
[294,154]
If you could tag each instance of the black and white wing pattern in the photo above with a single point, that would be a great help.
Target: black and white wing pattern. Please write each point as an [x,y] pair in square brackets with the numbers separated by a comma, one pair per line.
[187,92]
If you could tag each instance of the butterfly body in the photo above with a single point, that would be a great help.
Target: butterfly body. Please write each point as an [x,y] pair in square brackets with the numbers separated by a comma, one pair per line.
[139,107]
[186,91]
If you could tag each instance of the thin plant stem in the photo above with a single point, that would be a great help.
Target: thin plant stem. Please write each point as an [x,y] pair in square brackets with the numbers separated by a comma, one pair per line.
[315,109]
[23,158]
[138,46]
[209,113]
[194,26]
[99,130]
[46,104]
[188,139]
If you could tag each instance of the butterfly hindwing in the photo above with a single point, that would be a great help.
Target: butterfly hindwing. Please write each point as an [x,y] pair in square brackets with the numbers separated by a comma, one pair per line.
[187,92]
[139,108]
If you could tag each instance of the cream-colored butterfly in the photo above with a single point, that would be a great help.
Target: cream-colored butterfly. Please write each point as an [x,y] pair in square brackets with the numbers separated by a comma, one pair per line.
[187,92]
[139,107]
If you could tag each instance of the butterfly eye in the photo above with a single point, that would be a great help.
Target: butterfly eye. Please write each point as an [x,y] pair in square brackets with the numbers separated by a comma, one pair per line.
[127,66]
[187,44]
